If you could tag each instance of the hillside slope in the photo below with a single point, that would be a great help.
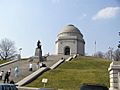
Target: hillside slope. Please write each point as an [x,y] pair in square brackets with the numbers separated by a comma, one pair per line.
[70,75]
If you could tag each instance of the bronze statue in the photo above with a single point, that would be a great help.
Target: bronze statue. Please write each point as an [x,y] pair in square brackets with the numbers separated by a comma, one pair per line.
[38,44]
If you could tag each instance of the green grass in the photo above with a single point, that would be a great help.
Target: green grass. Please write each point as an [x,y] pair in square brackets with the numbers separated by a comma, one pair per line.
[70,75]
[3,61]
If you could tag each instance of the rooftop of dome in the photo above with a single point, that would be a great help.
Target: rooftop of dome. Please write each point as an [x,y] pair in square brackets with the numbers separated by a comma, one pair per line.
[70,28]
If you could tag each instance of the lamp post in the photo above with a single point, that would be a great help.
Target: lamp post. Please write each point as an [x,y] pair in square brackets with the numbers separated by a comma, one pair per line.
[20,52]
[19,60]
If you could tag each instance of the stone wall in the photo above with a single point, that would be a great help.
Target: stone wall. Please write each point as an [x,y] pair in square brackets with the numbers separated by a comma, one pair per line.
[62,42]
[119,80]
[114,73]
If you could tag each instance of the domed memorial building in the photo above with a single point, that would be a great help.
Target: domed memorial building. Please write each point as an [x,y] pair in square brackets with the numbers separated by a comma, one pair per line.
[70,41]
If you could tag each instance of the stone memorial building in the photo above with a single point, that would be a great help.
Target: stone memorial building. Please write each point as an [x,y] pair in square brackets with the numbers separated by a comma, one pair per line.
[70,41]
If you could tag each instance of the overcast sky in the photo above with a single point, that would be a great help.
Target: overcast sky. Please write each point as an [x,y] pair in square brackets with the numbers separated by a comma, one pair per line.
[26,21]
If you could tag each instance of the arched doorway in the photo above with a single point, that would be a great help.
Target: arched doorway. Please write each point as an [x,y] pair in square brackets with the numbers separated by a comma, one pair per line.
[67,50]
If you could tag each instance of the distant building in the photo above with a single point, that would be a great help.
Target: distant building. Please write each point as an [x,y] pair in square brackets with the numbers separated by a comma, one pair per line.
[70,41]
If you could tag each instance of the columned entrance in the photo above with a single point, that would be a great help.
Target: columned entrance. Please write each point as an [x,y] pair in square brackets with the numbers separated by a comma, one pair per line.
[67,50]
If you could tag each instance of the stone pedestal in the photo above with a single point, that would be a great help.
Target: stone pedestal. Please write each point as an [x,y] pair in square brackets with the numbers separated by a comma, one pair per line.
[38,54]
[114,72]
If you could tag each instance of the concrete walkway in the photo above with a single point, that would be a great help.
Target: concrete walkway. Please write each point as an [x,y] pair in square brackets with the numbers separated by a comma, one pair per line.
[23,68]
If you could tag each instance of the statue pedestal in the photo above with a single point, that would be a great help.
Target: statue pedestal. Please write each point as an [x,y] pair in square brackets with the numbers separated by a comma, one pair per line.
[38,54]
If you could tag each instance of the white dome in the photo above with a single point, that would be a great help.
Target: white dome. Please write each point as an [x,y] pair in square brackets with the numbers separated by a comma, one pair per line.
[70,29]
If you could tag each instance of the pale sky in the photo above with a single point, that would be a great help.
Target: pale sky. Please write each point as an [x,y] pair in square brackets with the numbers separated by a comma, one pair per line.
[26,21]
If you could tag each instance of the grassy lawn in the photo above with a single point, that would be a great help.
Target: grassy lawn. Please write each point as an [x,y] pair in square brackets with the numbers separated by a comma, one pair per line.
[70,75]
[3,61]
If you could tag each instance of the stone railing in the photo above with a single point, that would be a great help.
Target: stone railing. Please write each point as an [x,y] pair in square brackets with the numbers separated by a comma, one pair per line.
[32,76]
[71,57]
[12,61]
[119,80]
[114,72]
[57,64]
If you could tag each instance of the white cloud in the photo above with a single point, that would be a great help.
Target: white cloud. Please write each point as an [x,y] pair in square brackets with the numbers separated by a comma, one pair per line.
[106,13]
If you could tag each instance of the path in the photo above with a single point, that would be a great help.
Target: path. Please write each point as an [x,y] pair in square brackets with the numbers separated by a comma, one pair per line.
[23,66]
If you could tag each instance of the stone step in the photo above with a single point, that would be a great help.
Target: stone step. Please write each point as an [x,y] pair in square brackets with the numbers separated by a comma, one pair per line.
[57,57]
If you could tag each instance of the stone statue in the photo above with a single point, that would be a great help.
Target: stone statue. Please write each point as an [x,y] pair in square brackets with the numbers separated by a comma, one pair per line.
[38,51]
[38,44]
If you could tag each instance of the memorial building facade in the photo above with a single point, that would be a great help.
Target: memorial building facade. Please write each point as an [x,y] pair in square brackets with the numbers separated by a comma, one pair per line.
[70,41]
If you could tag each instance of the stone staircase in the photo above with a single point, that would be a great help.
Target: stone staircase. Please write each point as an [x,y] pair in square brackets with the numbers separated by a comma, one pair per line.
[57,57]
[23,67]
[25,75]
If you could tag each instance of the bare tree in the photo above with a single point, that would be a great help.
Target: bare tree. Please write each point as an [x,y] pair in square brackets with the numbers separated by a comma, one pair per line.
[99,54]
[109,54]
[117,55]
[7,49]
